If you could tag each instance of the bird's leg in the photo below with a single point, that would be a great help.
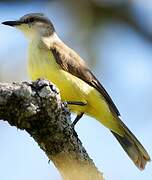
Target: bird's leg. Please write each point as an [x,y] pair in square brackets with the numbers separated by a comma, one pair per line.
[78,117]
[79,103]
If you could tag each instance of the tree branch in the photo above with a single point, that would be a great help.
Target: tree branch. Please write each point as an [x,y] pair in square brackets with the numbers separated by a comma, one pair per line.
[36,107]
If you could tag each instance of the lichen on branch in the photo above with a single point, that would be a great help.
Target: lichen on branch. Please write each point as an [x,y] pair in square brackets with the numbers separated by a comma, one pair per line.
[37,108]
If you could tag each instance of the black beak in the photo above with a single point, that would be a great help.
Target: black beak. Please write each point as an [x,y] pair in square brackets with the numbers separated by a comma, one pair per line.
[12,23]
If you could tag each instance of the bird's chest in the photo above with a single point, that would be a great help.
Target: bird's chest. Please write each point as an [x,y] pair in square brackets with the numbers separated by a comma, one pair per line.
[42,64]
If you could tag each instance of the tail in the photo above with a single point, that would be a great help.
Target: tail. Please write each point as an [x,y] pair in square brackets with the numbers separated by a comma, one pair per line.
[132,147]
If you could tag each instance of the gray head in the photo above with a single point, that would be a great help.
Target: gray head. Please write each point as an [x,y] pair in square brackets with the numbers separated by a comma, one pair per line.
[34,24]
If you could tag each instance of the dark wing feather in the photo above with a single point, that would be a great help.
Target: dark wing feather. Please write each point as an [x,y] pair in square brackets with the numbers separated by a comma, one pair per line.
[73,64]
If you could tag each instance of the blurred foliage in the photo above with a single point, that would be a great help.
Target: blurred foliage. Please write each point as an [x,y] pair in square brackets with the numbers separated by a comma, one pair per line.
[110,10]
[86,17]
[101,10]
[123,65]
[89,15]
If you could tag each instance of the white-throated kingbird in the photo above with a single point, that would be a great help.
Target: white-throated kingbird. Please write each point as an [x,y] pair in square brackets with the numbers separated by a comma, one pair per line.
[50,58]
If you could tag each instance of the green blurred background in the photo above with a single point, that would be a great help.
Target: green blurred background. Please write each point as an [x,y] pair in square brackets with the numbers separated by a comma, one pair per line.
[115,38]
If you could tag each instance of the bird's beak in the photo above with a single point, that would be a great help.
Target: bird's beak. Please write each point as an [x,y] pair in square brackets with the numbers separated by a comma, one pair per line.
[12,23]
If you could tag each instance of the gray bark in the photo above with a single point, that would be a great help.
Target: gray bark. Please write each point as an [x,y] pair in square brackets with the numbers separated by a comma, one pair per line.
[37,108]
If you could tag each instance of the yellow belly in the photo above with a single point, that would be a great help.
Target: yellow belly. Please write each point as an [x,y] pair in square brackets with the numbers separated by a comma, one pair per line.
[43,65]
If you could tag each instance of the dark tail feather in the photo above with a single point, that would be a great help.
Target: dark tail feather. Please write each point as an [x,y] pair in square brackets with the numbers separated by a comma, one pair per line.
[132,147]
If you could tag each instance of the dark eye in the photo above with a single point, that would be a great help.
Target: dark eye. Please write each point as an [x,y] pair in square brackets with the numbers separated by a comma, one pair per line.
[31,19]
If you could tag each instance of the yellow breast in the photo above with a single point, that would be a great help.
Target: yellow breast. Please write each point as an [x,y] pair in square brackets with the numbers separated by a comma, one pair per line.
[42,64]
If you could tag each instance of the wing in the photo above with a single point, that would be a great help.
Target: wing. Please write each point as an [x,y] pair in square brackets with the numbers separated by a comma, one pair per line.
[71,62]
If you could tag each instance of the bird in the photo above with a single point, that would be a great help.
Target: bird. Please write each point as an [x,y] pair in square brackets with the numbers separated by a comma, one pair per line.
[49,57]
